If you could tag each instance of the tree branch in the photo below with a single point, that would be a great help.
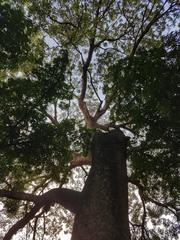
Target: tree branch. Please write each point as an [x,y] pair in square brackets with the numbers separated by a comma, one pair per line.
[108,126]
[141,188]
[165,205]
[156,17]
[34,228]
[51,118]
[18,195]
[85,69]
[62,23]
[87,117]
[111,40]
[82,104]
[68,198]
[143,216]
[107,8]
[103,110]
[92,84]
[22,222]
[80,53]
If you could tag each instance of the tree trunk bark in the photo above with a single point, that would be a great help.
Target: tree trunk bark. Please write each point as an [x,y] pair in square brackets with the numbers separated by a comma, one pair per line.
[103,214]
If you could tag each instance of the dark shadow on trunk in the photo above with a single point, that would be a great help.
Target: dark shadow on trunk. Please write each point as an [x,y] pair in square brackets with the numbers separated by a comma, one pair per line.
[103,214]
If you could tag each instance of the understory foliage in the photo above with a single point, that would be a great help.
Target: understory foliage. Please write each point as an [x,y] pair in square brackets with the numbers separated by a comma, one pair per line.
[121,60]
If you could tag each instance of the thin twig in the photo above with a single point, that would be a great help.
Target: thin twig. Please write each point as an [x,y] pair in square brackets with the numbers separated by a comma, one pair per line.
[34,228]
[55,111]
[143,216]
[44,226]
[84,170]
[80,53]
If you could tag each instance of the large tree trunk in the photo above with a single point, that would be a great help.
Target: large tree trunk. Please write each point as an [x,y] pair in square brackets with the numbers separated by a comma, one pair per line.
[103,214]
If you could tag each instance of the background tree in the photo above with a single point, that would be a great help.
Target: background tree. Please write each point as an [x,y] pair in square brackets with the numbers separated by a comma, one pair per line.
[96,65]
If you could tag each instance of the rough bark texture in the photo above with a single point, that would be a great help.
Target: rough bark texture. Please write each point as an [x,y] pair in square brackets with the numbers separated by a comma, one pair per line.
[103,214]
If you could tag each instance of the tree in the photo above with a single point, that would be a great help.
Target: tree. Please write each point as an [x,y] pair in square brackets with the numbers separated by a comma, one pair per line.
[103,72]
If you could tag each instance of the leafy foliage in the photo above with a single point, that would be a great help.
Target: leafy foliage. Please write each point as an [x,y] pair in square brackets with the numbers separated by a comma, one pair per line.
[28,141]
[40,124]
[148,100]
[19,38]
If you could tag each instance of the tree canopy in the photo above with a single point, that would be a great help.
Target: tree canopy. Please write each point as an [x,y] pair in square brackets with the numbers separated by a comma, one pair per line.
[72,68]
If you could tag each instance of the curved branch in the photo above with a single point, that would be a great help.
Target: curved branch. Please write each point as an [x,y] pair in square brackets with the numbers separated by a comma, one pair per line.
[165,205]
[141,188]
[70,199]
[18,195]
[156,17]
[22,222]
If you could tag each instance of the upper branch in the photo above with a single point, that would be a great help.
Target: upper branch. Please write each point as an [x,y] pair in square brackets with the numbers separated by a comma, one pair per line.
[156,17]
[85,70]
[62,23]
[102,111]
[95,91]
[112,39]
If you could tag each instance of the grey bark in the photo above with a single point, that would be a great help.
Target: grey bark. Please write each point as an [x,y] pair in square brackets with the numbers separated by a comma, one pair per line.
[103,214]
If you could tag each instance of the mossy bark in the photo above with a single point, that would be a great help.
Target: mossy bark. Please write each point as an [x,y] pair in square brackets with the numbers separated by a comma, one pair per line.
[103,214]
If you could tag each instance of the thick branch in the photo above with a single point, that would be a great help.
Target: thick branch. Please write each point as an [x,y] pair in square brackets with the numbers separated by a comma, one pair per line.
[18,195]
[68,198]
[22,222]
[82,104]
[87,117]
